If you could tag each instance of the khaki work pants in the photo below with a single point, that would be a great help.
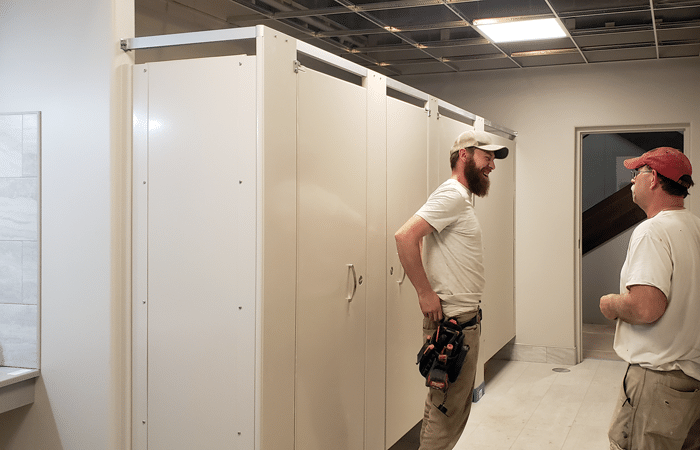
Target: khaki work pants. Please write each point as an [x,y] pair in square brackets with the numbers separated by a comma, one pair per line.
[657,411]
[441,431]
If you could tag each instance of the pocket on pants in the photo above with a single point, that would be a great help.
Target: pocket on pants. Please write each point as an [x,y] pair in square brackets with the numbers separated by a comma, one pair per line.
[672,412]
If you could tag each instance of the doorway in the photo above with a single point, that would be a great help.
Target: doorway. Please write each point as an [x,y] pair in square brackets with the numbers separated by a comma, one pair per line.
[607,216]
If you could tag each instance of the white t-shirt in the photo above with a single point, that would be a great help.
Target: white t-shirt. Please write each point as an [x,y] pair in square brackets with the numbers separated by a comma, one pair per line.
[664,251]
[453,255]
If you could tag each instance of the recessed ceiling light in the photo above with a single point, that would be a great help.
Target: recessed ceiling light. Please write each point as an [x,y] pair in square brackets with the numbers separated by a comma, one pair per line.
[508,30]
[557,51]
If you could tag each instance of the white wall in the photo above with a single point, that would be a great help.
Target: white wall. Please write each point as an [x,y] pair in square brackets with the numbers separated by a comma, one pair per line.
[63,58]
[545,106]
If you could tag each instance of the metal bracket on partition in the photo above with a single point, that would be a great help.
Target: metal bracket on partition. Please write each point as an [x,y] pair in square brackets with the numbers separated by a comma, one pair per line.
[297,66]
[510,134]
[427,109]
[479,123]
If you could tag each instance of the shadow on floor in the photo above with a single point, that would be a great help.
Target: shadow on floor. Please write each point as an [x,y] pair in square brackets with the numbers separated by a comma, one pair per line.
[409,441]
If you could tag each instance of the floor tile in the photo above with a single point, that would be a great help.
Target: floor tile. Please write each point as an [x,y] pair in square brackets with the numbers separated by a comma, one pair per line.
[550,438]
[587,437]
[544,406]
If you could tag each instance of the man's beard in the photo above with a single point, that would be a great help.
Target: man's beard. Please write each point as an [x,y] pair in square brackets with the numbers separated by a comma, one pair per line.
[476,182]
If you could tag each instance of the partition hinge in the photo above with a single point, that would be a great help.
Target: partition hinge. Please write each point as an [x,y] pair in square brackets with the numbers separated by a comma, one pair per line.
[297,66]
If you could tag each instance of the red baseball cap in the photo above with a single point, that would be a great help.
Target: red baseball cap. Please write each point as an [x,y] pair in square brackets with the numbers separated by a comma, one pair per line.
[668,161]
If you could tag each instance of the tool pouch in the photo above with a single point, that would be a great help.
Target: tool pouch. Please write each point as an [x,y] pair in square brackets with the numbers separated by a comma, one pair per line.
[442,355]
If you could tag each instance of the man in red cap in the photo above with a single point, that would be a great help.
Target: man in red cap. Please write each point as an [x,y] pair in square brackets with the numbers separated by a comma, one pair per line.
[658,312]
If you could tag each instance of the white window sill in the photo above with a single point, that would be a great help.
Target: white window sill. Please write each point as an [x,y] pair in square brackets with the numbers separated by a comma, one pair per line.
[16,387]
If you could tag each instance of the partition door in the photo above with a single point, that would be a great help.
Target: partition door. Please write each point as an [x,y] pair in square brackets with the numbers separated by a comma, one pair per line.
[407,190]
[331,224]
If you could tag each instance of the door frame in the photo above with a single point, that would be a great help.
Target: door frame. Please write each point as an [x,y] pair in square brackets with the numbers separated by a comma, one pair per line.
[578,226]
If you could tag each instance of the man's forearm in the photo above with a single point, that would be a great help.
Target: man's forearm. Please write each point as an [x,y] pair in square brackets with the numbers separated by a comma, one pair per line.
[409,240]
[642,305]
[412,262]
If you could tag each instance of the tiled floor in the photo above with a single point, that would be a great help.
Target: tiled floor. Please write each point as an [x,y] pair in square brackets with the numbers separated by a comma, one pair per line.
[538,406]
[533,406]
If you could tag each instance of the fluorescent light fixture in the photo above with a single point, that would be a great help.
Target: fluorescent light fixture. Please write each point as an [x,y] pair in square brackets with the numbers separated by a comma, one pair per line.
[558,51]
[509,30]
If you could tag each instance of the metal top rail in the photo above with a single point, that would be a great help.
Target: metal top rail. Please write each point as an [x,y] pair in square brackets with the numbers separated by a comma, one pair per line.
[236,34]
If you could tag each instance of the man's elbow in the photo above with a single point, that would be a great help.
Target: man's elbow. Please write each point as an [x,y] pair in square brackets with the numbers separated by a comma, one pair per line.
[401,236]
[652,314]
[651,311]
[648,303]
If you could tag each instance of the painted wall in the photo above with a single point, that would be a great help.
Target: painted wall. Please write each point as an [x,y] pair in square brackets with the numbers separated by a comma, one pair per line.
[63,58]
[545,106]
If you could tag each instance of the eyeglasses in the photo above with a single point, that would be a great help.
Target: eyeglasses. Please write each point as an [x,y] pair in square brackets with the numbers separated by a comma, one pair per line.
[636,172]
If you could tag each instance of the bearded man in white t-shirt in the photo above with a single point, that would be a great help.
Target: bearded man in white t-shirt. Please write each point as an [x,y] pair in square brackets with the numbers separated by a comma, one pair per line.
[658,312]
[449,275]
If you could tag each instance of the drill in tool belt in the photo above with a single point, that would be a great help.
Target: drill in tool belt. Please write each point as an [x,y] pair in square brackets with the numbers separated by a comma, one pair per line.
[441,357]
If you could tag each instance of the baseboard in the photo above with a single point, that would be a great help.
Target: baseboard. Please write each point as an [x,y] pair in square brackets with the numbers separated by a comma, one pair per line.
[534,353]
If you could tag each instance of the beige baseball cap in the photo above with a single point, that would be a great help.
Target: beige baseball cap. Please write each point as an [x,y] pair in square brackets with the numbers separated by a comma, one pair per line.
[479,139]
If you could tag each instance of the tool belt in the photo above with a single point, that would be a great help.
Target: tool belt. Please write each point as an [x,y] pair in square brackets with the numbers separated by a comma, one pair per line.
[442,355]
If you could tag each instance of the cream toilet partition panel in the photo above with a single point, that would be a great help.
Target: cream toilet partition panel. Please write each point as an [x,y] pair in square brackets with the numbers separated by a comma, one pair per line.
[269,307]
[407,181]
